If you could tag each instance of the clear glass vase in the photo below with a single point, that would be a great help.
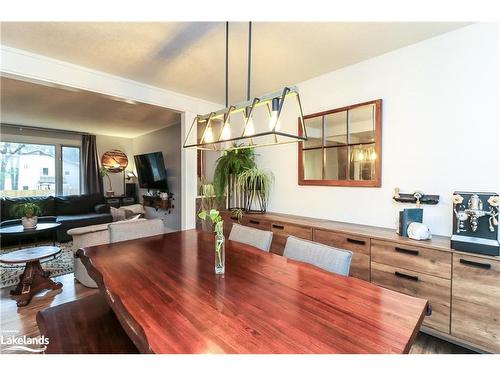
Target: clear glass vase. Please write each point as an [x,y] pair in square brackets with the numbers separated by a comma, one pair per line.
[220,254]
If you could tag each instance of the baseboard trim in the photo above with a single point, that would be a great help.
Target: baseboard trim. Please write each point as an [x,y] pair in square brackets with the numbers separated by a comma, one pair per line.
[454,340]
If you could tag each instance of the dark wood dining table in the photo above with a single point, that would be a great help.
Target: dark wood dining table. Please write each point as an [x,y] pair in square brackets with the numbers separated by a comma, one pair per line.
[165,294]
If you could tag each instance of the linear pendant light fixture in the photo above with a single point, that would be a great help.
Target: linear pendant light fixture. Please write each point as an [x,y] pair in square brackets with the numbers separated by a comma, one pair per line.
[271,119]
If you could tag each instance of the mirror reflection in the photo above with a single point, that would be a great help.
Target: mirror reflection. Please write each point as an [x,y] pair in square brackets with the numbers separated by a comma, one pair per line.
[343,148]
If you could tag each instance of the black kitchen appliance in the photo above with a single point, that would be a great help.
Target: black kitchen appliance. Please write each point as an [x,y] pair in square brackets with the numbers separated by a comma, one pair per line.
[475,223]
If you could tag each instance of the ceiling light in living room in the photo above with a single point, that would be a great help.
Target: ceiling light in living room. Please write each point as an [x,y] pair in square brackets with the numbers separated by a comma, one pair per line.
[270,119]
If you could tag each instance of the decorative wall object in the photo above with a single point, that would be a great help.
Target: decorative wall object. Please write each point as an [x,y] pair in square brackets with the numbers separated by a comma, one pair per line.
[343,147]
[115,161]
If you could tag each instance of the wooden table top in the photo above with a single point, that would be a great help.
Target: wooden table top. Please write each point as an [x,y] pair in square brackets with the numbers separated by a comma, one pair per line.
[164,292]
[19,229]
[30,254]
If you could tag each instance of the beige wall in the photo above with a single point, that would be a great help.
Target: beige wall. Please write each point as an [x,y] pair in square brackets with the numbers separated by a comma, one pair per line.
[168,141]
[107,143]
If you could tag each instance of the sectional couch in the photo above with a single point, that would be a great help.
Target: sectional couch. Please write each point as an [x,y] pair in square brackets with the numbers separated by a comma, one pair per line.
[72,211]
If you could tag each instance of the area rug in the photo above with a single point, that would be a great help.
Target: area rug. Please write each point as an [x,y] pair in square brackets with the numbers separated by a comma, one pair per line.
[61,265]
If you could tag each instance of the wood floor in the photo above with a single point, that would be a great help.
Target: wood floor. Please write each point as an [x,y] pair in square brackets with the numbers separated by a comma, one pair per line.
[21,321]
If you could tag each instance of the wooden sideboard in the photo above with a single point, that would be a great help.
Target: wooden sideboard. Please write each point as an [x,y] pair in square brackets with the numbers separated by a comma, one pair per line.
[463,288]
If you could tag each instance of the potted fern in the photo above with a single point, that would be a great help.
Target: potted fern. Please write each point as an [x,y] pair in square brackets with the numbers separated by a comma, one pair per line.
[29,214]
[231,164]
[256,185]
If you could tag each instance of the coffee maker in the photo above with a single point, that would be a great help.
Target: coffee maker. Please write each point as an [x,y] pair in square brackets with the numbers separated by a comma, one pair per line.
[475,223]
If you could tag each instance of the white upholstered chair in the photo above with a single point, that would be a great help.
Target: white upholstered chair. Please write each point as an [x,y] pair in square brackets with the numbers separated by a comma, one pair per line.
[326,257]
[258,238]
[123,231]
[93,235]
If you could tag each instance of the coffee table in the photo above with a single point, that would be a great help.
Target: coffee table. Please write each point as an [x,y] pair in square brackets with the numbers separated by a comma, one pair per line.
[34,279]
[19,231]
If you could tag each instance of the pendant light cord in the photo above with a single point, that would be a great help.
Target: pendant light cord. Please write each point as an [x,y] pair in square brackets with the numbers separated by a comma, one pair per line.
[249,58]
[227,64]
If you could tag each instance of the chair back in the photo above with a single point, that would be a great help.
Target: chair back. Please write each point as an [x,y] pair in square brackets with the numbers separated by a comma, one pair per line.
[129,230]
[258,238]
[326,257]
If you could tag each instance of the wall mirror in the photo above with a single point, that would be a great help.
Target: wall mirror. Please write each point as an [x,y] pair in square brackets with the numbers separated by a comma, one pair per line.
[344,147]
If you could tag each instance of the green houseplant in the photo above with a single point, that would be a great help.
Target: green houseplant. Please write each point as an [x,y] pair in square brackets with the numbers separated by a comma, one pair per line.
[218,223]
[256,185]
[104,172]
[227,169]
[28,212]
[208,201]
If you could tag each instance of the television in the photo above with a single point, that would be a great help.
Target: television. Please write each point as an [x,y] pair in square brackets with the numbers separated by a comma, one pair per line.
[151,171]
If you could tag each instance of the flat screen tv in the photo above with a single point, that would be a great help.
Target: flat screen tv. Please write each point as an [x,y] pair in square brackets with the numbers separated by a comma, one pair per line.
[151,171]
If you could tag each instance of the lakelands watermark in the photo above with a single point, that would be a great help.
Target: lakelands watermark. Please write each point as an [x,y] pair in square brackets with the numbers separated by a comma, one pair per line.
[9,342]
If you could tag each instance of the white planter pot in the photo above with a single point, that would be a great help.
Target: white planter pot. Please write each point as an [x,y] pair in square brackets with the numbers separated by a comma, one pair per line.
[29,222]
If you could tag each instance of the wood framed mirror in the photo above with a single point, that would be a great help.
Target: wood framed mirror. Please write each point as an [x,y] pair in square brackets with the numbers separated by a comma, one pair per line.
[344,147]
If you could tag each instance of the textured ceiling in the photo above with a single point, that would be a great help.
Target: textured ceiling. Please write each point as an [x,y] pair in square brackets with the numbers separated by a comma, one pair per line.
[24,103]
[189,57]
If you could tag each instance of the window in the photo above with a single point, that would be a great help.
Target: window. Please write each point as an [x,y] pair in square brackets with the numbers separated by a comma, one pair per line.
[71,170]
[28,169]
[343,147]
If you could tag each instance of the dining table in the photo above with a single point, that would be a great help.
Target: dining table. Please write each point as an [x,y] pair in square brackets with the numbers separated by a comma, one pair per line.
[168,299]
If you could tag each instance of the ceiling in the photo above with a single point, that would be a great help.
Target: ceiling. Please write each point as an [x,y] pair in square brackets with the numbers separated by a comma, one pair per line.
[25,103]
[188,57]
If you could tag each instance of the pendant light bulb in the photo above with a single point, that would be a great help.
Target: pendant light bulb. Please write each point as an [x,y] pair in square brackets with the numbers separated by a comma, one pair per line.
[226,132]
[249,128]
[274,123]
[209,136]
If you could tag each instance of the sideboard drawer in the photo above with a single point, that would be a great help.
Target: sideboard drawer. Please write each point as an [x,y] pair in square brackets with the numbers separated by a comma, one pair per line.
[257,223]
[228,222]
[475,312]
[281,231]
[360,247]
[292,230]
[435,289]
[414,258]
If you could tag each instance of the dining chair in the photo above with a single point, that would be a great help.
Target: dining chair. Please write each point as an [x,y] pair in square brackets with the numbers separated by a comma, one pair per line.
[123,231]
[258,238]
[326,257]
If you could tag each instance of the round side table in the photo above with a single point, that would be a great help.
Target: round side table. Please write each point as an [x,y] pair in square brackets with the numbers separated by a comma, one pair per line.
[34,279]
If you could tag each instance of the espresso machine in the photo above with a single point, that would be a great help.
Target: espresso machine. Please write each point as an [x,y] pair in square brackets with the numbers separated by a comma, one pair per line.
[475,223]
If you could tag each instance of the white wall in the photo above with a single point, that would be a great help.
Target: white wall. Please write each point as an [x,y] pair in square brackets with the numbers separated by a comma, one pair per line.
[440,128]
[168,141]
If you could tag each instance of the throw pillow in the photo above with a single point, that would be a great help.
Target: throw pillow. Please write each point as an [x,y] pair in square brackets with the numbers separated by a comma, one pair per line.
[117,214]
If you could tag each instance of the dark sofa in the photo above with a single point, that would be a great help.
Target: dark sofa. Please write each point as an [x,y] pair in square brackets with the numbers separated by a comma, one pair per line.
[72,211]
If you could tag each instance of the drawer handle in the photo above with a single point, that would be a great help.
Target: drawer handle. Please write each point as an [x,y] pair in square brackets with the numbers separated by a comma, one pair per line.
[278,226]
[254,222]
[357,242]
[485,266]
[406,251]
[405,276]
